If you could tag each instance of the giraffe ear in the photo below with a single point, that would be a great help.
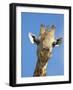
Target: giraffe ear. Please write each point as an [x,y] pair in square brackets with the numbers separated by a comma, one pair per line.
[58,42]
[33,39]
[42,29]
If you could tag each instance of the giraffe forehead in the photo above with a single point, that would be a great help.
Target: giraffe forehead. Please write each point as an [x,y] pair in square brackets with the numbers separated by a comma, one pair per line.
[48,34]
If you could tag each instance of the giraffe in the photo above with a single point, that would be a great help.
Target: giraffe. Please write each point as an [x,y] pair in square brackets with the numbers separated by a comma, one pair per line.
[45,42]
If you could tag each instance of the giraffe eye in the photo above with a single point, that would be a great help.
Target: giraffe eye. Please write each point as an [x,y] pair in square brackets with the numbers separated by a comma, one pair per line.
[54,43]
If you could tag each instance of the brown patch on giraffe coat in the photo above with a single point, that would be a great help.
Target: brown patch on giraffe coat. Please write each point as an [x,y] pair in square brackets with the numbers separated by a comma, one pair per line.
[40,72]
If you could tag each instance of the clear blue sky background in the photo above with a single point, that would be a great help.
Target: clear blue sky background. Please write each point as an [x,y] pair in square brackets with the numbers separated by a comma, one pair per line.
[30,22]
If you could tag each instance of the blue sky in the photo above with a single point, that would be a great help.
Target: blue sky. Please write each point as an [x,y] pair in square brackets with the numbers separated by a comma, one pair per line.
[30,22]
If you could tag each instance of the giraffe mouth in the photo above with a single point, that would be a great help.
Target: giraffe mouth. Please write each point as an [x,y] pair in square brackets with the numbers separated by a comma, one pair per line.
[44,53]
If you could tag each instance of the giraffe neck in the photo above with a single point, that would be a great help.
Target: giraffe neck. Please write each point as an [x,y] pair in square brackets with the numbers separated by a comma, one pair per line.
[40,69]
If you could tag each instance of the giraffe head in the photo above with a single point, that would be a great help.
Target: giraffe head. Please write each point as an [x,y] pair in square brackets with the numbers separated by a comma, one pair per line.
[45,42]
